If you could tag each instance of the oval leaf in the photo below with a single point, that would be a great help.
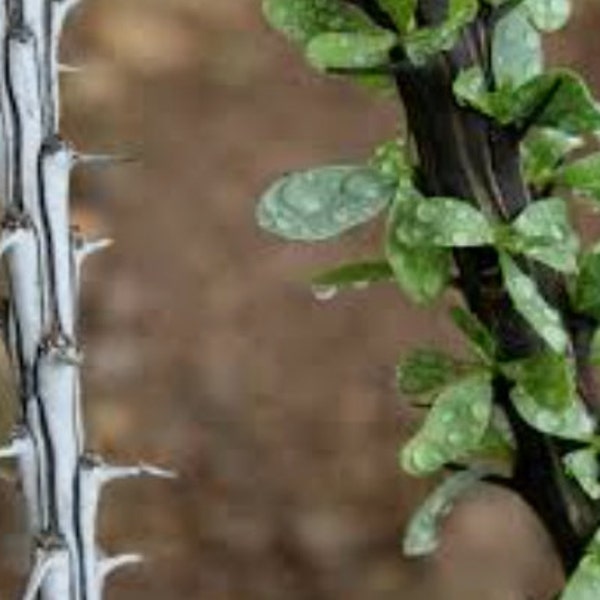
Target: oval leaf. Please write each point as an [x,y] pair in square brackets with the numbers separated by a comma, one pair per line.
[583,176]
[323,203]
[548,15]
[424,370]
[583,466]
[584,584]
[586,296]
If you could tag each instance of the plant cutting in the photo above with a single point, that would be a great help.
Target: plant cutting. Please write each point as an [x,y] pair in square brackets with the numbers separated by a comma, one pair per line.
[477,196]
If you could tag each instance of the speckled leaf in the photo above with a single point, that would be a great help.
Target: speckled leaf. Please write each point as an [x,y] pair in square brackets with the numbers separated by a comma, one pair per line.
[517,54]
[356,274]
[528,301]
[548,15]
[401,11]
[481,338]
[454,426]
[350,50]
[421,272]
[573,423]
[543,150]
[583,466]
[323,203]
[586,294]
[584,584]
[547,377]
[301,20]
[422,533]
[445,222]
[425,42]
[583,176]
[391,161]
[424,370]
[543,232]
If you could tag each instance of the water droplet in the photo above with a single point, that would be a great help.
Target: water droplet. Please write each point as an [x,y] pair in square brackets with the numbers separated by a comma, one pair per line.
[323,293]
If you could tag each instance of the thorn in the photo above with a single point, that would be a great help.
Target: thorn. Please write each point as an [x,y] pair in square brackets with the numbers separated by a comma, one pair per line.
[16,444]
[107,472]
[62,349]
[110,564]
[103,159]
[50,550]
[9,238]
[85,247]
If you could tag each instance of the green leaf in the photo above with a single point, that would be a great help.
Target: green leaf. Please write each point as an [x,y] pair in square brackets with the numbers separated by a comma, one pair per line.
[558,99]
[356,274]
[401,12]
[583,176]
[544,233]
[323,203]
[424,370]
[547,377]
[422,533]
[548,15]
[301,20]
[586,295]
[359,50]
[542,152]
[476,332]
[496,450]
[421,272]
[584,584]
[425,42]
[391,161]
[527,300]
[454,426]
[573,423]
[517,53]
[594,355]
[444,222]
[583,466]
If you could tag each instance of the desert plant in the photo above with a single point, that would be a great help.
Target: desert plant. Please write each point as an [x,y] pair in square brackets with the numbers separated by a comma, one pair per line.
[477,197]
[43,253]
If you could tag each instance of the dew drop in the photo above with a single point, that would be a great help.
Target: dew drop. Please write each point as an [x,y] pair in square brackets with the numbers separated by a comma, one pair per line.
[323,293]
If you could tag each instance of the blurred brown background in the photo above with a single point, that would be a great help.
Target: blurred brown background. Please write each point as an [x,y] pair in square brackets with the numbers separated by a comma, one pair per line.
[206,351]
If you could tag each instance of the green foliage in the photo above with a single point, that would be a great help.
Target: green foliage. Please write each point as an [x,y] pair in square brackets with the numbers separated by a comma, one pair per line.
[425,370]
[583,466]
[582,175]
[401,11]
[585,582]
[548,15]
[323,203]
[356,274]
[422,533]
[481,338]
[586,296]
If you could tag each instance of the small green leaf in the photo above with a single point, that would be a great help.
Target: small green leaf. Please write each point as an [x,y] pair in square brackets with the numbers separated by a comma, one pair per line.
[401,12]
[547,377]
[444,222]
[391,161]
[545,234]
[586,295]
[542,152]
[573,423]
[583,466]
[476,332]
[584,584]
[422,533]
[496,450]
[356,274]
[594,355]
[421,272]
[528,301]
[424,370]
[323,203]
[517,54]
[425,42]
[301,20]
[583,176]
[548,15]
[359,50]
[454,426]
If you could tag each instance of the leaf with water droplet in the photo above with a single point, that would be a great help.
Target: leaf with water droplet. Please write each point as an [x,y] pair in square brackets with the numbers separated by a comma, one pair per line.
[542,151]
[586,293]
[548,15]
[548,377]
[573,423]
[423,43]
[337,50]
[583,466]
[544,319]
[584,583]
[323,203]
[422,533]
[454,426]
[517,54]
[543,232]
[582,175]
[480,336]
[421,272]
[355,274]
[425,370]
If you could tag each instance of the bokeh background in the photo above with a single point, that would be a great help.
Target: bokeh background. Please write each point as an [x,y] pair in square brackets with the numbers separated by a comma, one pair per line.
[206,351]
